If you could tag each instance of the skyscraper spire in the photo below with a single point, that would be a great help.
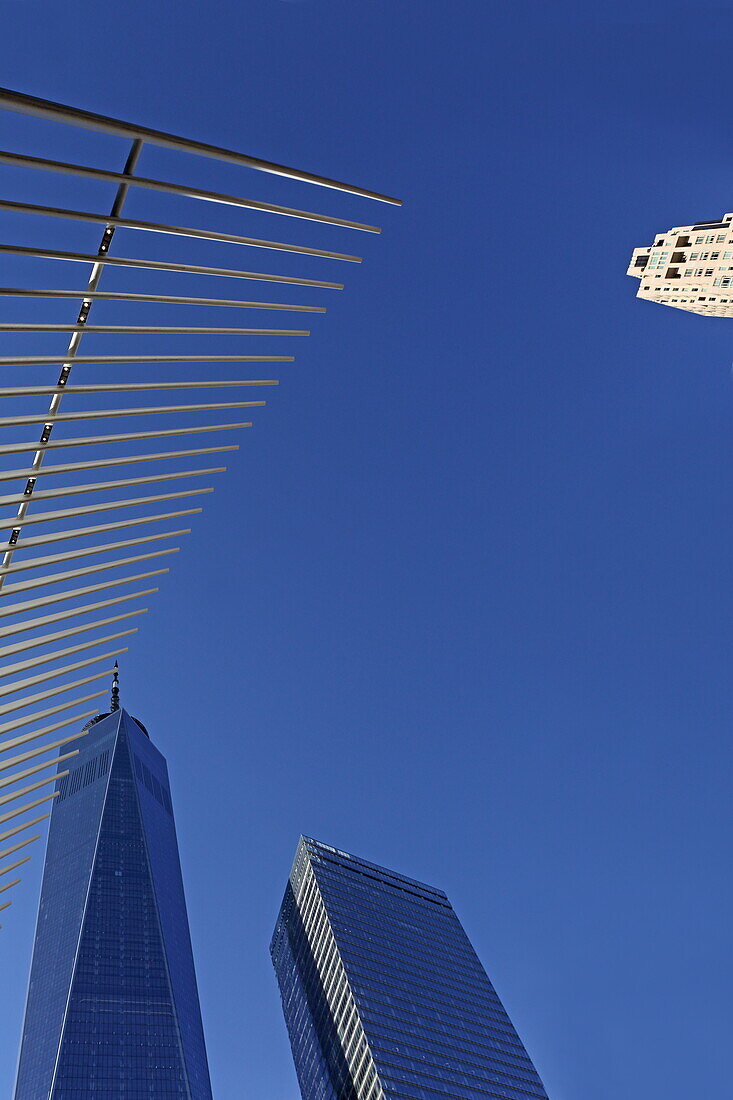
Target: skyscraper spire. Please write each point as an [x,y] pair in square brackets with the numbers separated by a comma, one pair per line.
[115,700]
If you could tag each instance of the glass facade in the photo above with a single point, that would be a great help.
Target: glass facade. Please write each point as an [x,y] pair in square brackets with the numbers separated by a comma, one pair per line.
[112,1007]
[383,995]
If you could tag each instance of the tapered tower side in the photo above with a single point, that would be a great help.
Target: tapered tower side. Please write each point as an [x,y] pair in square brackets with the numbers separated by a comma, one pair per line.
[112,1003]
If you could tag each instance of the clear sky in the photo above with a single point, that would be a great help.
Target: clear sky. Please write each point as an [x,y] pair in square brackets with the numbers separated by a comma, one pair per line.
[462,603]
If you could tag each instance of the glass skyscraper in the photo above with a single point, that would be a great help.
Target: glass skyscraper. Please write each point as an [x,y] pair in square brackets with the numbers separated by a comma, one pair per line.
[383,995]
[113,1008]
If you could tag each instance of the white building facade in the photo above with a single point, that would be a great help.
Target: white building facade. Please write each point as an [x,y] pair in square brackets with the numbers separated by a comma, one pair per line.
[689,267]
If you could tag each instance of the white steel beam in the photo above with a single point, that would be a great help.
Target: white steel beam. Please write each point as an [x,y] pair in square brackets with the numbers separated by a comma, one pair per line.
[73,116]
[46,658]
[100,528]
[104,414]
[69,555]
[118,460]
[133,387]
[72,574]
[54,762]
[166,299]
[59,635]
[31,700]
[72,612]
[103,486]
[173,230]
[160,265]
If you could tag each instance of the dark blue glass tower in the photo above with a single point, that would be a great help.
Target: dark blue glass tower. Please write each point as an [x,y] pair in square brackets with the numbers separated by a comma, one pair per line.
[113,1008]
[383,995]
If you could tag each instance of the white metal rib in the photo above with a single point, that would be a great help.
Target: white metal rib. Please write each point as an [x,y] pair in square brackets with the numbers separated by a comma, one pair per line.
[24,810]
[72,574]
[52,763]
[21,828]
[124,437]
[160,265]
[174,230]
[105,506]
[118,460]
[17,847]
[165,299]
[36,360]
[14,743]
[74,116]
[100,528]
[14,866]
[74,342]
[71,594]
[134,387]
[69,555]
[72,612]
[21,793]
[57,655]
[58,636]
[14,761]
[119,483]
[106,414]
[30,700]
[45,165]
[157,330]
[31,681]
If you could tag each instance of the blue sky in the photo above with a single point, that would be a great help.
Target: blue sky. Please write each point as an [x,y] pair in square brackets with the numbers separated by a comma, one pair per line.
[462,603]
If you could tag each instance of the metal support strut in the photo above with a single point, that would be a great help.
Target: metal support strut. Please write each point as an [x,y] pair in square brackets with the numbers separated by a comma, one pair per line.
[74,342]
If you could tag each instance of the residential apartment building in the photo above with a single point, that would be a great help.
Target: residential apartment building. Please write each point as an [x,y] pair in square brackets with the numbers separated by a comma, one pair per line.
[689,267]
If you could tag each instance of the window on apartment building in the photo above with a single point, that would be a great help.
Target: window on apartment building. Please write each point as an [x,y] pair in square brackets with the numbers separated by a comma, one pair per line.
[694,255]
[714,255]
[720,238]
[709,270]
[698,240]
